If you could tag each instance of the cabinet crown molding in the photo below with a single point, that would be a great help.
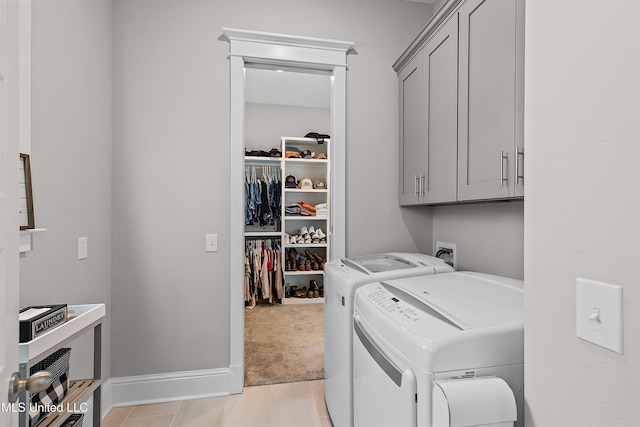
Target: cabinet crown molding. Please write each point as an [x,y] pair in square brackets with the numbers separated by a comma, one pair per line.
[434,23]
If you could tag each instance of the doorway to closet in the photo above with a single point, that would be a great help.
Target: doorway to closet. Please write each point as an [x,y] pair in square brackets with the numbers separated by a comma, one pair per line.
[286,183]
[272,54]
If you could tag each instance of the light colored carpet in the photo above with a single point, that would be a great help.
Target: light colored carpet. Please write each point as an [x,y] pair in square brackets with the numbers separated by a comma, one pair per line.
[283,343]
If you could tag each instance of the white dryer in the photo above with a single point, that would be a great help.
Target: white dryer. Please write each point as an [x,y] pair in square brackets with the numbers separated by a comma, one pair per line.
[439,350]
[341,279]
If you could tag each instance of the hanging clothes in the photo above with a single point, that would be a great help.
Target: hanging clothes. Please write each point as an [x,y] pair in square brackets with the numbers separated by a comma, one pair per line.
[262,195]
[263,272]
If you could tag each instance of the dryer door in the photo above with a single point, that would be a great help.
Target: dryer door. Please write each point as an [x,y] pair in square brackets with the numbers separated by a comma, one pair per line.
[384,389]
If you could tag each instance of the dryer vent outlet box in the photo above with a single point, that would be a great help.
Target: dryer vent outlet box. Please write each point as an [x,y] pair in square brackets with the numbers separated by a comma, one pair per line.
[448,253]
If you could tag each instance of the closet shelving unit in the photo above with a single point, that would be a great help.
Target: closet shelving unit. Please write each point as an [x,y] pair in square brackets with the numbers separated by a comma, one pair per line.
[81,319]
[314,169]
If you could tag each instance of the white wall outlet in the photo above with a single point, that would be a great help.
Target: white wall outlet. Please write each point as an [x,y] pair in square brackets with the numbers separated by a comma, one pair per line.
[448,253]
[211,243]
[83,247]
[599,313]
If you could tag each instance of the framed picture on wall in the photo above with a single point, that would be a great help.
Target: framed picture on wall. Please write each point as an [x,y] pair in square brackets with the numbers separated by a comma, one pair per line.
[26,196]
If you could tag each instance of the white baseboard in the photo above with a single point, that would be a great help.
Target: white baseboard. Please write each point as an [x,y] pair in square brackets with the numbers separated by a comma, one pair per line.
[105,402]
[159,388]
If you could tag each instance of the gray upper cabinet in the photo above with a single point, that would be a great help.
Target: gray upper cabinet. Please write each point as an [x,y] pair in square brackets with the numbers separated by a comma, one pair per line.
[490,138]
[413,151]
[461,105]
[440,59]
[428,124]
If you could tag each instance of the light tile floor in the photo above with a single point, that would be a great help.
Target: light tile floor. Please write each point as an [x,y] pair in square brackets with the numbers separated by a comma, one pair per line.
[280,405]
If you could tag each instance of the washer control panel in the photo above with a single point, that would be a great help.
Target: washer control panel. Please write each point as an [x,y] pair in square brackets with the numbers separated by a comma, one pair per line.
[409,313]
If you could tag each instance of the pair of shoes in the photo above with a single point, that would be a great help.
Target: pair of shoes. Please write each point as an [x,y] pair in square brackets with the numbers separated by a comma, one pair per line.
[300,292]
[319,237]
[288,291]
[299,239]
[314,290]
[317,261]
[292,258]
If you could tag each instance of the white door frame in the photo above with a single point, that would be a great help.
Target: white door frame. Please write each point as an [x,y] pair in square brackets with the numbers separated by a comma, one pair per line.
[9,218]
[278,49]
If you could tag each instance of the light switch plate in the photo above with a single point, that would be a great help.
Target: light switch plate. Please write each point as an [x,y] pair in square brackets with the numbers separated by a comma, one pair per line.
[211,243]
[83,246]
[599,313]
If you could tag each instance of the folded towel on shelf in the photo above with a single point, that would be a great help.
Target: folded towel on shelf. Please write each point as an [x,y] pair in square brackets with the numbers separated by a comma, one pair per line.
[321,210]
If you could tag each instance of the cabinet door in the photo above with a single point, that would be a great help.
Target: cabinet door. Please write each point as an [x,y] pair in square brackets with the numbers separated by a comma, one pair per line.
[440,60]
[413,149]
[487,97]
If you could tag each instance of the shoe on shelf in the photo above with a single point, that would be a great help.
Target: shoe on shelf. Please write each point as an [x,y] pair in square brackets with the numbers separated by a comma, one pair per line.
[321,261]
[300,292]
[312,230]
[315,265]
[315,238]
[304,230]
[287,239]
[314,290]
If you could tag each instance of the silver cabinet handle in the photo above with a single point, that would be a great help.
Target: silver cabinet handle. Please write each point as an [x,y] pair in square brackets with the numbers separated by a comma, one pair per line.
[416,184]
[503,156]
[423,178]
[519,152]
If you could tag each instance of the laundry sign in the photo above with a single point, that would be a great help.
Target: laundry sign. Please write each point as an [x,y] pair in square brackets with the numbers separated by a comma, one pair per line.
[36,320]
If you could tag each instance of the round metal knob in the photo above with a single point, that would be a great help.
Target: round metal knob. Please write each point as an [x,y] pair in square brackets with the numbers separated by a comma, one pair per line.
[34,384]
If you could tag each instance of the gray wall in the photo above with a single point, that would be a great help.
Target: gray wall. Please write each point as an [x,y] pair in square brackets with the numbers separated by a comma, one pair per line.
[170,157]
[266,123]
[71,162]
[582,208]
[489,237]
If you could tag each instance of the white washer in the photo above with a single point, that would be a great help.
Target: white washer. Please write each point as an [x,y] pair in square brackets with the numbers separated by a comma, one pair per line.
[341,279]
[447,346]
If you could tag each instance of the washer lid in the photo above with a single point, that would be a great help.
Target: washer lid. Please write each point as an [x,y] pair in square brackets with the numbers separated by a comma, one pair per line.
[370,264]
[466,300]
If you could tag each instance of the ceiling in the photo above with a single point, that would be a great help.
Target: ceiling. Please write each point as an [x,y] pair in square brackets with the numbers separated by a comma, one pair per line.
[294,87]
[286,87]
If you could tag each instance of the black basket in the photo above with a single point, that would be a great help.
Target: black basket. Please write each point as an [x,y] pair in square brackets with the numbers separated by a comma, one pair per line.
[42,403]
[74,420]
